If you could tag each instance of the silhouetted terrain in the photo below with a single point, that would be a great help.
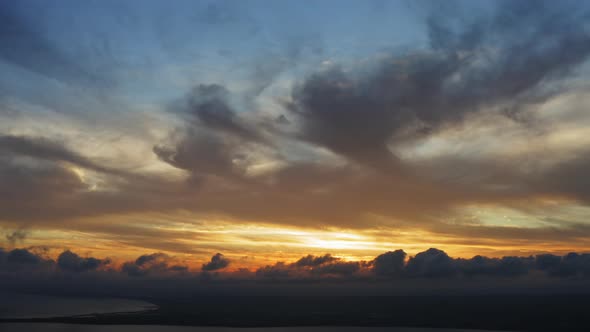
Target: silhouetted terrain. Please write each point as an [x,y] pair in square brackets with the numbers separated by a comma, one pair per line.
[495,312]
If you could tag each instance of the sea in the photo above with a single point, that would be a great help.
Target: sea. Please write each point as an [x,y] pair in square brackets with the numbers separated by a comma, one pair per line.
[38,306]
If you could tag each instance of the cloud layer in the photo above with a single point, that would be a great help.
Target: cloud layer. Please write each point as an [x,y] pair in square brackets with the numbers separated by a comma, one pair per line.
[430,264]
[476,134]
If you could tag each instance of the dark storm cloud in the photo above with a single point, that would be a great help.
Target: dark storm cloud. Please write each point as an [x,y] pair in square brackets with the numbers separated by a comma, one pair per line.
[71,262]
[218,262]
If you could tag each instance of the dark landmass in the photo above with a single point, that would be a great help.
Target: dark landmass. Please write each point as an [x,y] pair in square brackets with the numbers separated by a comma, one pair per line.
[491,312]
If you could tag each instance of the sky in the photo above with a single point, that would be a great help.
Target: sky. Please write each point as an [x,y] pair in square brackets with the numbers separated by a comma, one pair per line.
[242,136]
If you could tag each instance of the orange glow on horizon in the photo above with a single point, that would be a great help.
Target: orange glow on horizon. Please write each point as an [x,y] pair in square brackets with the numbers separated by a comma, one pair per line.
[252,245]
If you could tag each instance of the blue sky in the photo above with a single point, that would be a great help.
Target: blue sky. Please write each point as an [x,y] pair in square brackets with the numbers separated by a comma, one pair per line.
[149,49]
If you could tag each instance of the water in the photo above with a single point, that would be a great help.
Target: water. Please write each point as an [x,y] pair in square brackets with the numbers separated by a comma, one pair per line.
[40,306]
[43,327]
[37,306]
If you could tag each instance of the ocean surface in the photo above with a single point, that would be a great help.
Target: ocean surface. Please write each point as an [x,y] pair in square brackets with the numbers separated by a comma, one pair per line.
[43,327]
[40,306]
[14,305]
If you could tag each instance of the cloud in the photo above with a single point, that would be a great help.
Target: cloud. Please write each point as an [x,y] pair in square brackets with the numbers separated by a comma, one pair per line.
[564,178]
[215,140]
[153,264]
[312,261]
[71,262]
[334,157]
[337,268]
[209,104]
[277,271]
[390,264]
[363,113]
[44,149]
[571,265]
[430,264]
[505,266]
[218,262]
[310,266]
[22,256]
[545,262]
[22,262]
[200,153]
[433,263]
[17,236]
[45,180]
[472,67]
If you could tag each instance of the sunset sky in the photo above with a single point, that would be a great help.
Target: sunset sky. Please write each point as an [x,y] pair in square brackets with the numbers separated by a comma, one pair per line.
[270,130]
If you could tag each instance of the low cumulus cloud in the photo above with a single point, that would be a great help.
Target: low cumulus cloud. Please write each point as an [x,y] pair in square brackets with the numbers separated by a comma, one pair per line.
[429,264]
[71,262]
[22,256]
[311,266]
[218,262]
[390,264]
[21,261]
[153,264]
[313,261]
[17,237]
